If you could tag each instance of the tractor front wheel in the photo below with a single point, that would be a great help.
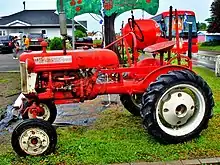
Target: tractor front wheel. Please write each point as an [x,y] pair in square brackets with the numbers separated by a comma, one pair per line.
[132,103]
[34,137]
[50,112]
[177,106]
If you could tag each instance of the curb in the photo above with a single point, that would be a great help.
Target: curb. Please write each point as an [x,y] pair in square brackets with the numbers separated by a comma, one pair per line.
[206,57]
[211,161]
[15,71]
[209,55]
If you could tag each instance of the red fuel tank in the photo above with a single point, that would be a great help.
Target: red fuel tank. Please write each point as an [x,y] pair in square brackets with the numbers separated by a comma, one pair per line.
[75,59]
[149,28]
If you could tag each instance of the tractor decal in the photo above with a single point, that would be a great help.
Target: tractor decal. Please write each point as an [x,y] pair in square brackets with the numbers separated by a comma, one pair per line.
[53,59]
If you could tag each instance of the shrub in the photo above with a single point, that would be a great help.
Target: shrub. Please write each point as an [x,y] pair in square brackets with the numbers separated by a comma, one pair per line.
[56,43]
[211,43]
[68,45]
[79,34]
[97,42]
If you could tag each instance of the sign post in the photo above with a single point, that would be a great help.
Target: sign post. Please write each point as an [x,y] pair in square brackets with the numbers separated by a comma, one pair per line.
[73,33]
[190,41]
[170,29]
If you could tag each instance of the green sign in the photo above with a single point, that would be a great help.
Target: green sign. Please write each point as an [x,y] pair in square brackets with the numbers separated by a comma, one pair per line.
[106,7]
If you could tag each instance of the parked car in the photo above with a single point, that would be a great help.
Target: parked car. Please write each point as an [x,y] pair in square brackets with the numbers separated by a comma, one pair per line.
[19,39]
[35,41]
[6,44]
[80,42]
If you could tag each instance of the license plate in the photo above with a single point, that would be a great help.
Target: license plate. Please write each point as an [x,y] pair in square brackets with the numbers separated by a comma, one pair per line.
[35,43]
[1,44]
[34,40]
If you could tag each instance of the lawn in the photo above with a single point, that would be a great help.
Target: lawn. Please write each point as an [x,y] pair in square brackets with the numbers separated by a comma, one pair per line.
[209,48]
[118,137]
[9,85]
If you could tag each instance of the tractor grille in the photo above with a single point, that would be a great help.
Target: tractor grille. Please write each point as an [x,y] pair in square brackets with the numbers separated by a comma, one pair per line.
[23,72]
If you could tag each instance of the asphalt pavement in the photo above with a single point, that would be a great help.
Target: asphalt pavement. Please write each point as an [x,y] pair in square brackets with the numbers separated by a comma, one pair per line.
[7,63]
[205,60]
[210,53]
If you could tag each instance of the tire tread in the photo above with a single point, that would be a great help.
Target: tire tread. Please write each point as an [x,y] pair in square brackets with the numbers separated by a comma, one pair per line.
[151,95]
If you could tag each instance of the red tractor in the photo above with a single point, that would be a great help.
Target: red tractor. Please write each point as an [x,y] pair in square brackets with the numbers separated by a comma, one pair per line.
[174,102]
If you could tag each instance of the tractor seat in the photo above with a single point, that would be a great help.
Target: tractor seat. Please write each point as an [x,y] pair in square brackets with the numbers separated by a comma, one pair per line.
[160,47]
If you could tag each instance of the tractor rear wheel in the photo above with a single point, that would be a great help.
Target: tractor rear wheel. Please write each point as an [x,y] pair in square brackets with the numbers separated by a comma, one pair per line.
[132,103]
[50,112]
[177,106]
[34,137]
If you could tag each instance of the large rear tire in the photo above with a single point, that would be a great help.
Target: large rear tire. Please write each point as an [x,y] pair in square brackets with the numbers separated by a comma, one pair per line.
[34,137]
[132,103]
[177,106]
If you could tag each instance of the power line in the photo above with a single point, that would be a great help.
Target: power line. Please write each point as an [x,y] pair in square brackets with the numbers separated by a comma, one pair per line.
[99,16]
[94,17]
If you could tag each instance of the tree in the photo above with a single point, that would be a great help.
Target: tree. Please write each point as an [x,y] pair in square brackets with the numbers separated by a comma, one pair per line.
[113,8]
[214,21]
[79,34]
[109,10]
[56,43]
[109,32]
[202,26]
[82,29]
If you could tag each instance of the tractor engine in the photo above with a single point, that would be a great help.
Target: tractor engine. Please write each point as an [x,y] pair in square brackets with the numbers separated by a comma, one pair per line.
[70,83]
[64,78]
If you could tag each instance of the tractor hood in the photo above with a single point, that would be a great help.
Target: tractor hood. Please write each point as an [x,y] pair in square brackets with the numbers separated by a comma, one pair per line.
[74,59]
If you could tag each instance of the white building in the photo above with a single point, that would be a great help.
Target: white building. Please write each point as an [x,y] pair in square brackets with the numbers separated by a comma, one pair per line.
[97,36]
[36,21]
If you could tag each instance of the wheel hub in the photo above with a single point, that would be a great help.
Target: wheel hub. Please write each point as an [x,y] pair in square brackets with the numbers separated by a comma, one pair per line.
[34,141]
[41,112]
[177,108]
[181,110]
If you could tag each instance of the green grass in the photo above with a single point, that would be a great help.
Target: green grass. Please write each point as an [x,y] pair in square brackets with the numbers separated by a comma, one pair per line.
[118,137]
[9,85]
[214,83]
[209,48]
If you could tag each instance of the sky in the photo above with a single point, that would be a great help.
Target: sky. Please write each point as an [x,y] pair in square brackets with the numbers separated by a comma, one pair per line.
[200,7]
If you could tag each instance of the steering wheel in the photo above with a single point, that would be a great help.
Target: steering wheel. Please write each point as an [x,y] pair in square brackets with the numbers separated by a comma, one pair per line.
[132,23]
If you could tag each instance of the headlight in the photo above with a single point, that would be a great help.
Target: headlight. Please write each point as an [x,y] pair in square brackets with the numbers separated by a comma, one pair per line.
[30,65]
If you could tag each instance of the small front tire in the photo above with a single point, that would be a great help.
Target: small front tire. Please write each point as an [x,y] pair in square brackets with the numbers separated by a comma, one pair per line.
[34,137]
[132,103]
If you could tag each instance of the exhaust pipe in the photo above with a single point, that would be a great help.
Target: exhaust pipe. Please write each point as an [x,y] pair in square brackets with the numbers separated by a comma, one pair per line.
[63,28]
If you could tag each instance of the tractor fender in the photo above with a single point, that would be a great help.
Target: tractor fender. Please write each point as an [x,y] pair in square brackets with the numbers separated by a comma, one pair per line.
[146,62]
[151,77]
